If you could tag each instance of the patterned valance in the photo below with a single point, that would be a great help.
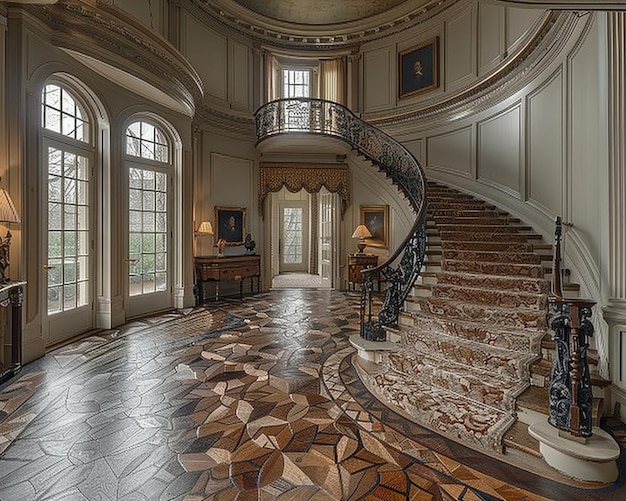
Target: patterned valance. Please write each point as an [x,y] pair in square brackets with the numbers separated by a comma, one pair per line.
[311,177]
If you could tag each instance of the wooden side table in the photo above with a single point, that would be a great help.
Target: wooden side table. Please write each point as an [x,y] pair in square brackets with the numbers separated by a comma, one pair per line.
[11,293]
[357,262]
[227,268]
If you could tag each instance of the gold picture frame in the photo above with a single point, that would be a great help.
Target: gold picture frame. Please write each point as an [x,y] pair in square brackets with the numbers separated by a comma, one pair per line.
[376,219]
[230,224]
[418,69]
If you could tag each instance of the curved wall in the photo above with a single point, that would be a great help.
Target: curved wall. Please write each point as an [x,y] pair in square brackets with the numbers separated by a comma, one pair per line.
[534,143]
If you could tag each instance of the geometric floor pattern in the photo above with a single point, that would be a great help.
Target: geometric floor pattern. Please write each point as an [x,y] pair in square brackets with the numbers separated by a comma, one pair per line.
[253,399]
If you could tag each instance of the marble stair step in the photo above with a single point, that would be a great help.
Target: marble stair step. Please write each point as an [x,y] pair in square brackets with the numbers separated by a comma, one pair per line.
[423,370]
[490,315]
[495,282]
[501,362]
[455,235]
[466,420]
[477,245]
[491,268]
[492,256]
[485,228]
[523,340]
[472,220]
[487,296]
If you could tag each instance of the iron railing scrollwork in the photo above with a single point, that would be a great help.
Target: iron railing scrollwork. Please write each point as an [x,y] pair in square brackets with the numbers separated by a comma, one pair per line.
[400,270]
[570,393]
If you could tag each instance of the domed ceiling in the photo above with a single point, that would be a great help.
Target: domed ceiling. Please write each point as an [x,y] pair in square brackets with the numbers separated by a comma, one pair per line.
[321,12]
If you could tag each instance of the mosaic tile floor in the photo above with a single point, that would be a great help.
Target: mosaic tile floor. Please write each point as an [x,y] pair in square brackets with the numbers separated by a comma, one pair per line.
[242,400]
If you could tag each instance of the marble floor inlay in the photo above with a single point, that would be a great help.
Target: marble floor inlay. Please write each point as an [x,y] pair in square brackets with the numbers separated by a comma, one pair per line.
[238,400]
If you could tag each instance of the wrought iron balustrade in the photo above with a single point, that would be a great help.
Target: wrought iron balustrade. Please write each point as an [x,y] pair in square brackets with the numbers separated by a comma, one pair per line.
[570,393]
[400,270]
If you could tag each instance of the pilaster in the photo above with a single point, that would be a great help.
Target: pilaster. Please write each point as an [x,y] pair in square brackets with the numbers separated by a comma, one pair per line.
[615,310]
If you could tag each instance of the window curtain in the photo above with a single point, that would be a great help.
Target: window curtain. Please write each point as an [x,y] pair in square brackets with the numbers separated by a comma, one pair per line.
[333,80]
[273,84]
[311,177]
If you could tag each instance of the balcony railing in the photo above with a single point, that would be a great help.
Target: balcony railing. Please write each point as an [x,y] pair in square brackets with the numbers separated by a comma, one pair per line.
[400,270]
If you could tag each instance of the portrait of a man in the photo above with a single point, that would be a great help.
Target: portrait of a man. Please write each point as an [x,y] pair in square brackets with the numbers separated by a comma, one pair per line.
[230,224]
[419,69]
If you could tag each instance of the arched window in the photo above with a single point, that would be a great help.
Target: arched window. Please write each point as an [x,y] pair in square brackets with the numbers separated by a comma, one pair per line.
[62,114]
[149,162]
[147,141]
[69,155]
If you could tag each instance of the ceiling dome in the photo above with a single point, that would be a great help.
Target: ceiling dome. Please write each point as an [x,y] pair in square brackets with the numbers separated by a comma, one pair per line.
[319,12]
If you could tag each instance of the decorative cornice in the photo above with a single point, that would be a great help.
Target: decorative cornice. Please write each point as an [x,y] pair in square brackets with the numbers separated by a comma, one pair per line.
[323,37]
[104,32]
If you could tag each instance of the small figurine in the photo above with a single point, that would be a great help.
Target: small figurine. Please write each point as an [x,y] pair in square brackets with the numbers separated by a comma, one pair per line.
[249,244]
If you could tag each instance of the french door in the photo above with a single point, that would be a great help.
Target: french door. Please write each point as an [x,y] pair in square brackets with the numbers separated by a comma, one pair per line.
[68,268]
[148,249]
[327,254]
[294,236]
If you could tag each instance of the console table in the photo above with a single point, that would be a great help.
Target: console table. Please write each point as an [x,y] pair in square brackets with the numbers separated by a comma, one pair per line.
[357,262]
[11,293]
[226,268]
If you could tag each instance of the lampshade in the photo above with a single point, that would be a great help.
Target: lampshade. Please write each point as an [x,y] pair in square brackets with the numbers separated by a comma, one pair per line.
[205,228]
[361,231]
[8,214]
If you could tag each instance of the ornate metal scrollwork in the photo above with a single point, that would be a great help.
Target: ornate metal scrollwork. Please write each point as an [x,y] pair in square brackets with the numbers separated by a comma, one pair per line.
[401,269]
[570,394]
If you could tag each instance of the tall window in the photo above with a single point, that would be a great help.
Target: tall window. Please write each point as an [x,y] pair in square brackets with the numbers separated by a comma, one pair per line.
[296,83]
[68,201]
[147,208]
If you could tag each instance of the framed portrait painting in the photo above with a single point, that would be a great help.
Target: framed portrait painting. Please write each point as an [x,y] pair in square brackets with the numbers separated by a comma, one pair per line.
[376,218]
[419,69]
[231,224]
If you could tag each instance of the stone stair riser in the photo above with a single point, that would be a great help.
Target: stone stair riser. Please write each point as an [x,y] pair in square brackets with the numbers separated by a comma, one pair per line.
[502,299]
[502,269]
[521,319]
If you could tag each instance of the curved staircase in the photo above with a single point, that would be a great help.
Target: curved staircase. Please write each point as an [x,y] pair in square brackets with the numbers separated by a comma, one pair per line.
[474,334]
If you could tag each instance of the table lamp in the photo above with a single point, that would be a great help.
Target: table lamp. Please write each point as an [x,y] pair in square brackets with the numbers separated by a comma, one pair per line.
[205,228]
[361,232]
[8,214]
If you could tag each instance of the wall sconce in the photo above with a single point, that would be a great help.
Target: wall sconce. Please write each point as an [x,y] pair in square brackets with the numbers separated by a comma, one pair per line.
[8,214]
[361,232]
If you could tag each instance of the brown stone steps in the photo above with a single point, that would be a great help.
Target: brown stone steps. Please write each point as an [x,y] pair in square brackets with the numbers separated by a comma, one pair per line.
[506,338]
[488,296]
[511,284]
[425,369]
[483,219]
[454,235]
[493,268]
[520,318]
[485,228]
[487,246]
[497,361]
[492,256]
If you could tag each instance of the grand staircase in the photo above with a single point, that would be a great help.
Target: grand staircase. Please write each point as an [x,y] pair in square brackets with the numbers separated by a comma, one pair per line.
[472,352]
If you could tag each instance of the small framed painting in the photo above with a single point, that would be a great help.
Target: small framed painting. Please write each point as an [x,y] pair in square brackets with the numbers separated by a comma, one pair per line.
[231,224]
[376,218]
[419,69]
